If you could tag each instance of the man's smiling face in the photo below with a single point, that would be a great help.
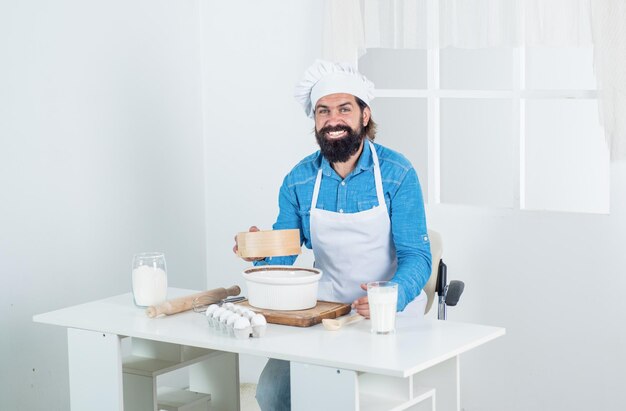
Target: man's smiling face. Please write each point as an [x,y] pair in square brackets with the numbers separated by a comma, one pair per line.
[339,123]
[339,110]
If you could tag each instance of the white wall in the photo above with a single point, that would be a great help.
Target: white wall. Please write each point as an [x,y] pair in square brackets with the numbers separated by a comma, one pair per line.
[100,157]
[255,130]
[555,281]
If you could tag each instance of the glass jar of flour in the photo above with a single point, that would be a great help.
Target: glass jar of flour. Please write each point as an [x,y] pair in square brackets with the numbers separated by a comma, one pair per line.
[149,279]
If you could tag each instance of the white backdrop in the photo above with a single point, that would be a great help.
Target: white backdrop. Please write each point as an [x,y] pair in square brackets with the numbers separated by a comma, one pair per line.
[255,131]
[100,157]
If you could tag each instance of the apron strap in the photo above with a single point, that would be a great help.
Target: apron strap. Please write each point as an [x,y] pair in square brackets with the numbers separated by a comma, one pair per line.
[378,179]
[316,189]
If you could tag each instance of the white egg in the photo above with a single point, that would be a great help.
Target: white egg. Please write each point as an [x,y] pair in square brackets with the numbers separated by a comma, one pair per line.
[259,330]
[224,316]
[219,310]
[214,319]
[229,306]
[241,323]
[210,309]
[242,333]
[230,322]
[241,328]
[258,319]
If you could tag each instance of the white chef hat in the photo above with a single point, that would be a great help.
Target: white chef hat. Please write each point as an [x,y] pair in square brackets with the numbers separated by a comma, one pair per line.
[324,78]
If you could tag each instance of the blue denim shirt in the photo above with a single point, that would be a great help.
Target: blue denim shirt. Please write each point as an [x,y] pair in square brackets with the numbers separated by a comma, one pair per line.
[403,196]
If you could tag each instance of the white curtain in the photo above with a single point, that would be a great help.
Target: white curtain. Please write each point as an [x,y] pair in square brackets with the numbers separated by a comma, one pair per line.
[353,26]
[559,23]
[394,23]
[343,38]
[479,23]
[608,21]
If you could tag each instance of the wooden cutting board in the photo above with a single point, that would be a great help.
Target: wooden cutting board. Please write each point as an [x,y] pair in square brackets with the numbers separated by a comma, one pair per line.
[302,318]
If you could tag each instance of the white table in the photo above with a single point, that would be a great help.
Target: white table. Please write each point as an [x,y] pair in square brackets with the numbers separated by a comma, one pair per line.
[413,369]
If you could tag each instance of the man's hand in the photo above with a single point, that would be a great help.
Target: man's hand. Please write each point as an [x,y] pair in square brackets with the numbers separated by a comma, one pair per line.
[362,305]
[236,248]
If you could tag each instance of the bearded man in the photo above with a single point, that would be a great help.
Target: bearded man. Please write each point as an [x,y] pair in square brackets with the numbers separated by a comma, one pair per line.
[358,205]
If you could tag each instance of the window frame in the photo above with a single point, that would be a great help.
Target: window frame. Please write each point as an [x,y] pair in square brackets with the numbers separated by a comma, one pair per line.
[519,94]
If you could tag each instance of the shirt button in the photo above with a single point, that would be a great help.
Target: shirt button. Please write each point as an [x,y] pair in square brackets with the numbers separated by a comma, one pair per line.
[343,183]
[341,210]
[425,238]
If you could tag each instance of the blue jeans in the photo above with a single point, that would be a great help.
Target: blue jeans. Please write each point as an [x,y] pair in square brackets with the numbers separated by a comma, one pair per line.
[273,392]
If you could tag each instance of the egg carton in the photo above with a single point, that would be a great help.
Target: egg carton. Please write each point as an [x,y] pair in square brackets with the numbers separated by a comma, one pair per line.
[237,321]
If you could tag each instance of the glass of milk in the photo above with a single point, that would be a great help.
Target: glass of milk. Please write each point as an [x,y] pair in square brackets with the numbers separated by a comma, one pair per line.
[383,298]
[149,279]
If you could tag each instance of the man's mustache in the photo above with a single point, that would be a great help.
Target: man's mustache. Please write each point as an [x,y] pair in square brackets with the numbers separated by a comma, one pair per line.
[329,129]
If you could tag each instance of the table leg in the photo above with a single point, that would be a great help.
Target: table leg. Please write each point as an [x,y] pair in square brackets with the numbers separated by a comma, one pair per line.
[219,376]
[314,387]
[95,368]
[444,378]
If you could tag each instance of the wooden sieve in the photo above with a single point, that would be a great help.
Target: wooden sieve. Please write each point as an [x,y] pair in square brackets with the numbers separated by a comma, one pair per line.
[269,243]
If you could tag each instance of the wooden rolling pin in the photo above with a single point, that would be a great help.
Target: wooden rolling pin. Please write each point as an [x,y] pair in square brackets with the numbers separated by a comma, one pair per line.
[181,304]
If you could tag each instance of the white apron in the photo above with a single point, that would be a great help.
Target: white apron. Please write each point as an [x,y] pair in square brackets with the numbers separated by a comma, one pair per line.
[355,248]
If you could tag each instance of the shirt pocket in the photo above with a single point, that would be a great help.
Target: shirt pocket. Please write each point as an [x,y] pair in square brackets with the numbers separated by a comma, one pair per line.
[369,203]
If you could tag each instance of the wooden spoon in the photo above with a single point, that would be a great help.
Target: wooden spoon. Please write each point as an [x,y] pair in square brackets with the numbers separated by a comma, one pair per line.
[334,325]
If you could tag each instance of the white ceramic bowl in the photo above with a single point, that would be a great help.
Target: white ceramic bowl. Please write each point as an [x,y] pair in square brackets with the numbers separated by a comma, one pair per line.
[280,287]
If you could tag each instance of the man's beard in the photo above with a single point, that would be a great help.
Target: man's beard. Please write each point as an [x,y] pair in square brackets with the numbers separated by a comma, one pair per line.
[341,149]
